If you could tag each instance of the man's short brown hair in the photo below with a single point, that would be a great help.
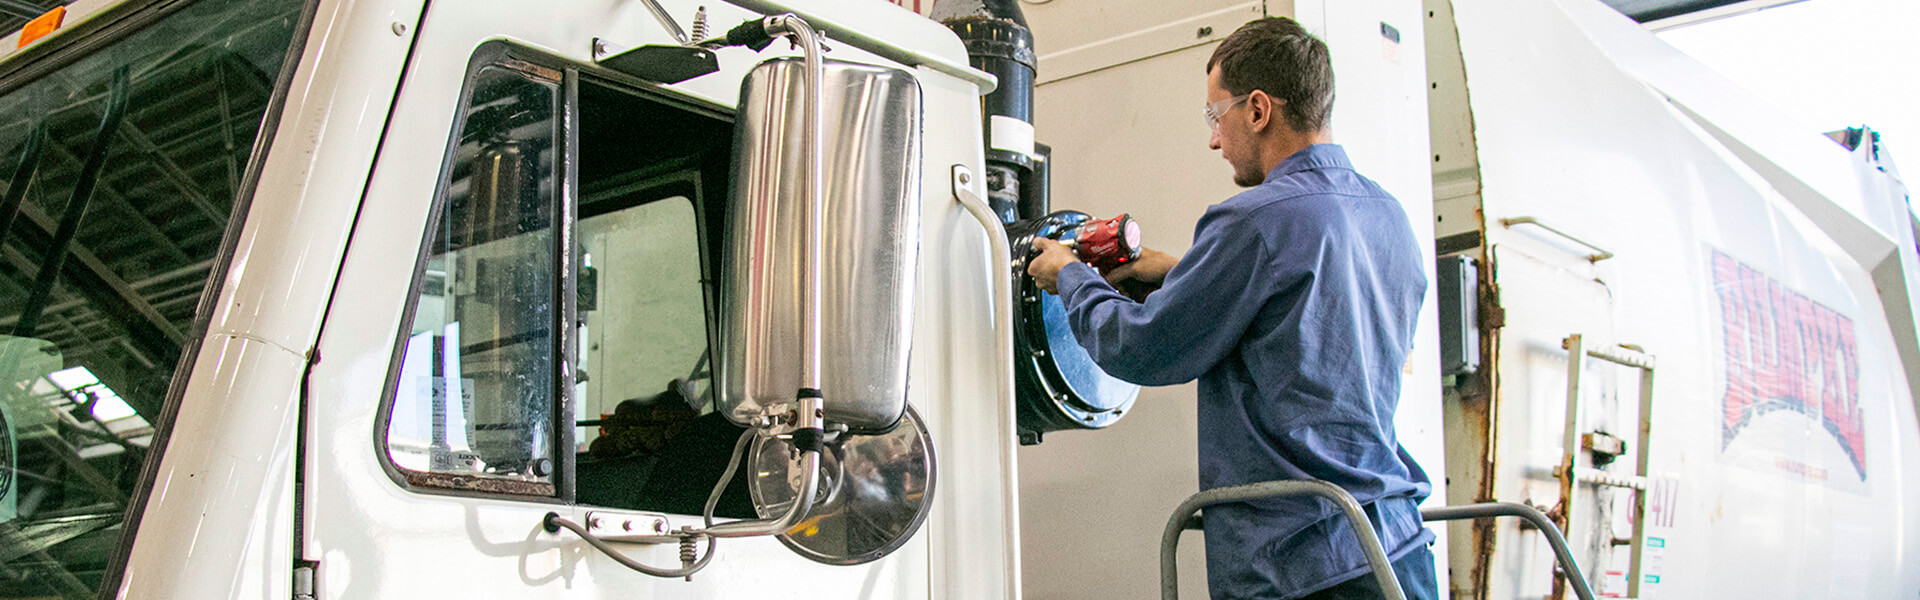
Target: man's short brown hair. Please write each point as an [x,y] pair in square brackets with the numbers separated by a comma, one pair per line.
[1277,56]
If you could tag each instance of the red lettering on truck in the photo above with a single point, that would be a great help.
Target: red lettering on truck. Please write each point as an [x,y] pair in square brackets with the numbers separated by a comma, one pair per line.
[1784,351]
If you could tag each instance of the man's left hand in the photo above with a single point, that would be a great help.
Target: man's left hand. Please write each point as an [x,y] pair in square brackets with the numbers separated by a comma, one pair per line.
[1045,268]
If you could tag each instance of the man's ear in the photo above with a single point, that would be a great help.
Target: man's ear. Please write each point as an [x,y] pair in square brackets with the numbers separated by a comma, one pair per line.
[1262,111]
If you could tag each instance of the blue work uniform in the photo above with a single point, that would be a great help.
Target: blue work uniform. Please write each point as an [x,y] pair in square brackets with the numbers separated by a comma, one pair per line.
[1295,309]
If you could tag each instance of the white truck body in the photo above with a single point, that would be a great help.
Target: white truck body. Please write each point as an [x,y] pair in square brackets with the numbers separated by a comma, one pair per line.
[1570,113]
[1767,268]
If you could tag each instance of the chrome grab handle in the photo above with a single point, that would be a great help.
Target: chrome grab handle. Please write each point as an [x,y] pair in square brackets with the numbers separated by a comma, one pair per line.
[1001,301]
[1599,254]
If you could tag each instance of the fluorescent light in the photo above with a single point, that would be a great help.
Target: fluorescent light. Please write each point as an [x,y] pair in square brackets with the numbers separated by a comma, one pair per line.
[73,379]
[108,406]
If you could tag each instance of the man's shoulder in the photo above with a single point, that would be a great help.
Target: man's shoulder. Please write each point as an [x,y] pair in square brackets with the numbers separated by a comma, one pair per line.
[1297,196]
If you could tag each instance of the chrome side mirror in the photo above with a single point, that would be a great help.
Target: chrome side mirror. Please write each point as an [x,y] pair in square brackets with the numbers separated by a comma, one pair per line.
[868,222]
[823,235]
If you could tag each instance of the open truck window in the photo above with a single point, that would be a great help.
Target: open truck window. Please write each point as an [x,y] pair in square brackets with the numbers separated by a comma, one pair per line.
[588,381]
[125,162]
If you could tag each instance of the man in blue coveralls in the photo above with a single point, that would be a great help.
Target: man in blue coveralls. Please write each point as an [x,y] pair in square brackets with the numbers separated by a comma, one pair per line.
[1295,309]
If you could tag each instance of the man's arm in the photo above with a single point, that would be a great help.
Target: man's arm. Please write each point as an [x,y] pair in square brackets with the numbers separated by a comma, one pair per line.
[1209,299]
[1134,279]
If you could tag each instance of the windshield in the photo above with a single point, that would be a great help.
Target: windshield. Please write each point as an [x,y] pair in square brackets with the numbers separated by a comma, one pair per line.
[121,172]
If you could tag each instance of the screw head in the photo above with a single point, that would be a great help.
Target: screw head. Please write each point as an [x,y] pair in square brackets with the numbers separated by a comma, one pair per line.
[965,178]
[399,28]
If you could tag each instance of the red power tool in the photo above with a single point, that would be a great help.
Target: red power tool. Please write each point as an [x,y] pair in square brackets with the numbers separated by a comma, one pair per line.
[1105,243]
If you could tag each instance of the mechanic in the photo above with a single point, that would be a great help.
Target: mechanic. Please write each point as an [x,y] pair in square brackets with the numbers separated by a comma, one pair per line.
[1295,308]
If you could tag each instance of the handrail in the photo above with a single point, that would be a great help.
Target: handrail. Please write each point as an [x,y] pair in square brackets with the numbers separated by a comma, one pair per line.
[1000,254]
[1599,254]
[1362,529]
[1575,578]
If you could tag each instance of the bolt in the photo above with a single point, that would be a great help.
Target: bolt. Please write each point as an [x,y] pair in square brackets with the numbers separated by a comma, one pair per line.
[965,178]
[593,522]
[659,526]
[399,28]
[626,525]
[1204,32]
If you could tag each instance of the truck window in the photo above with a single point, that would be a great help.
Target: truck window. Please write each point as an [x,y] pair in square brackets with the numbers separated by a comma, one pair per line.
[482,401]
[650,170]
[473,406]
[100,292]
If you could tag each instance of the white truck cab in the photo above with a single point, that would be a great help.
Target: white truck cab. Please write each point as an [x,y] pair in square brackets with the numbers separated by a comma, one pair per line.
[393,377]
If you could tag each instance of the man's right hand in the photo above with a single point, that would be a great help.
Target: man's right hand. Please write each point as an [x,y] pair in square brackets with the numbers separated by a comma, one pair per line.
[1142,275]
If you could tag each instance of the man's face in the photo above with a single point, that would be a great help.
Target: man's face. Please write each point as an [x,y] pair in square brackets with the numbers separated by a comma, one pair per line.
[1234,137]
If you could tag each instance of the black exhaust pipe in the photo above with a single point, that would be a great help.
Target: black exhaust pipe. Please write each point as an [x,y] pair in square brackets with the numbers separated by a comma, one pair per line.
[999,42]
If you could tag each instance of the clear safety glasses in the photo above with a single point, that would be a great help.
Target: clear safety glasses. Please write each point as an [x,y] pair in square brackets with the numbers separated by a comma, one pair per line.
[1215,110]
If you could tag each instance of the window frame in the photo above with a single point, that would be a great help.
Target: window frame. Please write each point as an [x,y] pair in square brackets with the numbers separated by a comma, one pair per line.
[566,75]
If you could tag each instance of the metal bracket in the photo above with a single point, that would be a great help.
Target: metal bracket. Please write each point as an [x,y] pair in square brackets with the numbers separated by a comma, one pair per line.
[646,528]
[303,582]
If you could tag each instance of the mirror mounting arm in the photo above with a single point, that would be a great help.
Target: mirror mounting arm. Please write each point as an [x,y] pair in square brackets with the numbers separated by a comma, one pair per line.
[667,21]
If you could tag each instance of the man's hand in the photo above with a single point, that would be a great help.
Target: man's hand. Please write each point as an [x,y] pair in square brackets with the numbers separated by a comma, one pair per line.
[1045,268]
[1143,275]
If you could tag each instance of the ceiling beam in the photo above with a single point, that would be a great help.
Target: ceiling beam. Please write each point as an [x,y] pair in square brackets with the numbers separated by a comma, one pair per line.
[22,8]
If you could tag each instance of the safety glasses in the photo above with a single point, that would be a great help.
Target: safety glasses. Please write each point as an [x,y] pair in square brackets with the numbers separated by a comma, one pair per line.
[1215,110]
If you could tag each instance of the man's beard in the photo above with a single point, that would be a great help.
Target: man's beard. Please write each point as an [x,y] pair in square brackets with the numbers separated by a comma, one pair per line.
[1247,178]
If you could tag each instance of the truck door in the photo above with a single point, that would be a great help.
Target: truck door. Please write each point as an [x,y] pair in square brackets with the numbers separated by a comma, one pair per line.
[1550,290]
[530,267]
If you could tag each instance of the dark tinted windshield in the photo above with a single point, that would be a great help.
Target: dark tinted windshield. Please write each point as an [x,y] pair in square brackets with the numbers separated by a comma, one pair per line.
[102,266]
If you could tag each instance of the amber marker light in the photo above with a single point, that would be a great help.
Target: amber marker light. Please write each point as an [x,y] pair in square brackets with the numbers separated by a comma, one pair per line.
[42,25]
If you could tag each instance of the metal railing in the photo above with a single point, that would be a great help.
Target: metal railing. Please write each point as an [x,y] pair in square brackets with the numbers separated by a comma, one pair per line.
[1570,568]
[1184,518]
[1363,530]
